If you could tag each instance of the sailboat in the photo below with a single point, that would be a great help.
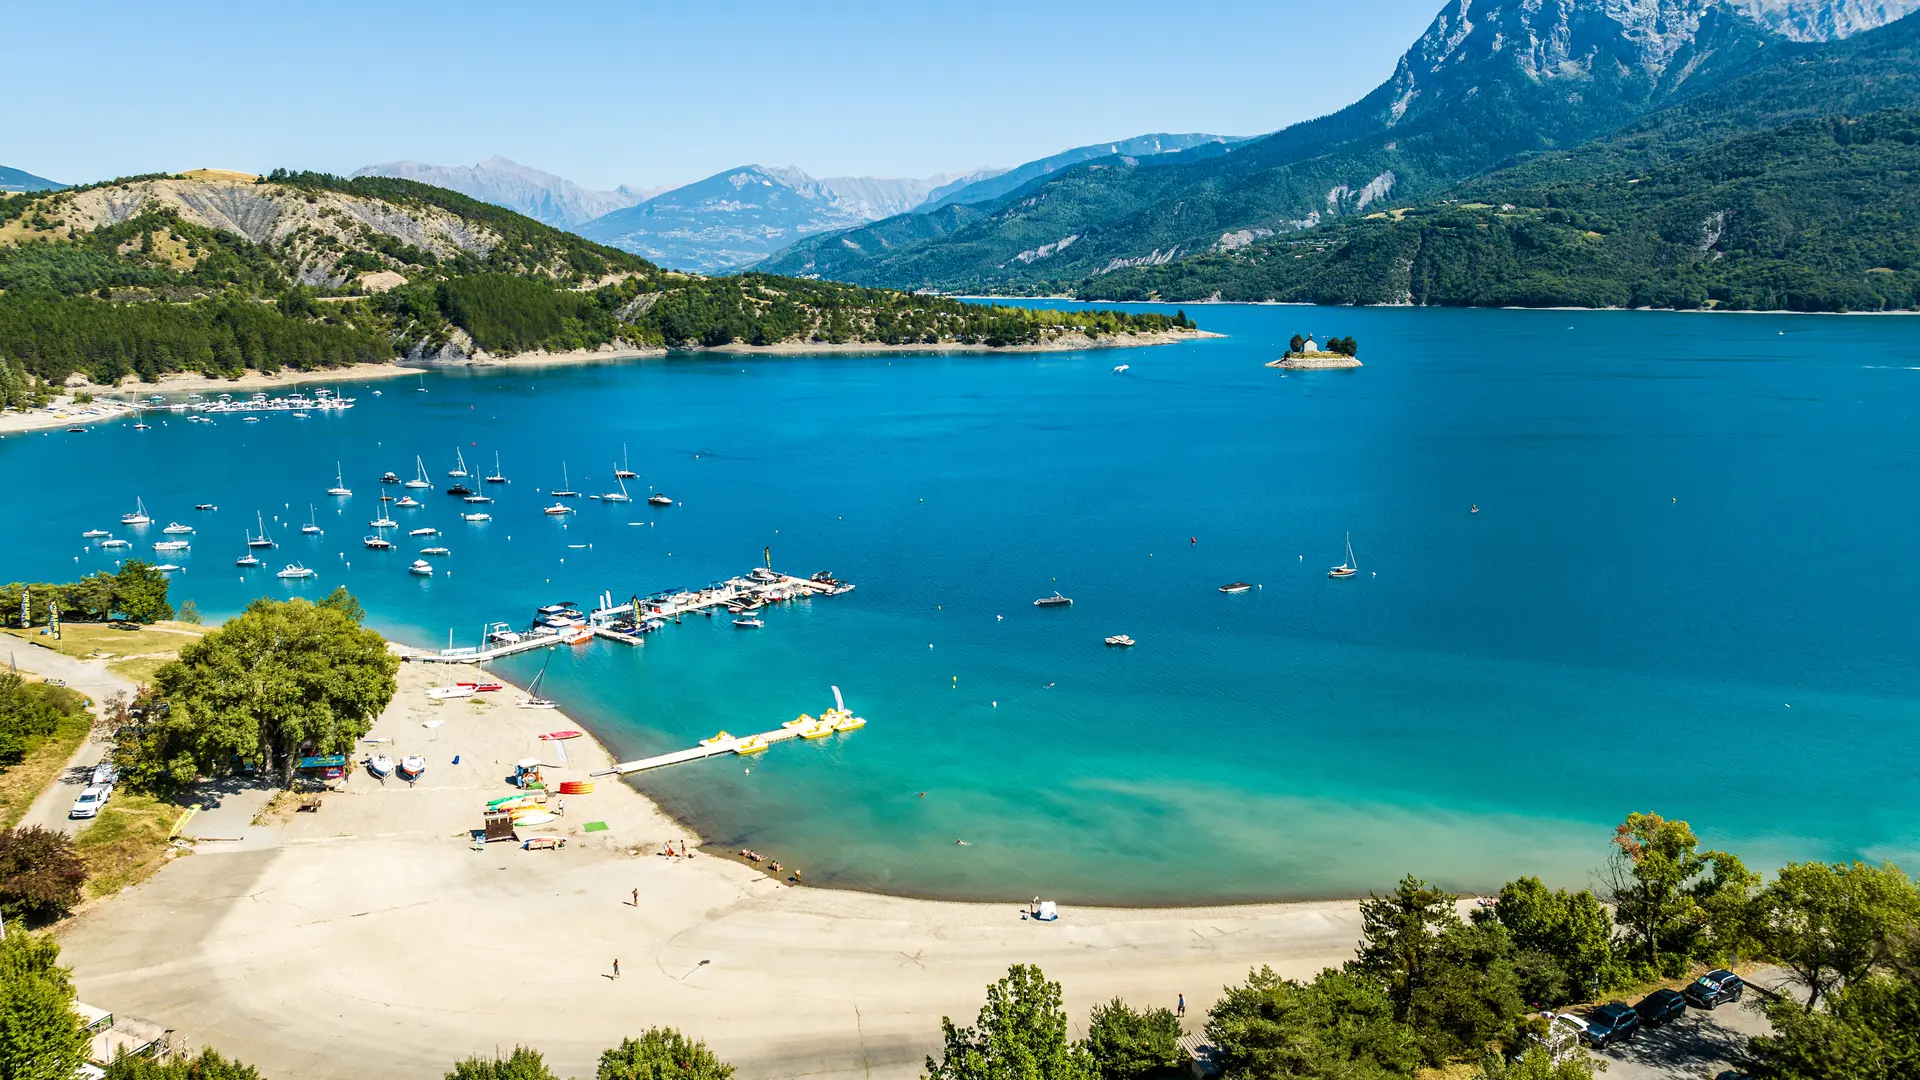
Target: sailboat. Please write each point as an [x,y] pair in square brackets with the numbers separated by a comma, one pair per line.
[459,470]
[534,700]
[248,560]
[263,540]
[312,527]
[564,492]
[497,477]
[419,475]
[139,515]
[1348,568]
[624,472]
[339,482]
[617,496]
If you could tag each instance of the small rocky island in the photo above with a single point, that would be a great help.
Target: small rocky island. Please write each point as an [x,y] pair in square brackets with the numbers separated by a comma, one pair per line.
[1306,354]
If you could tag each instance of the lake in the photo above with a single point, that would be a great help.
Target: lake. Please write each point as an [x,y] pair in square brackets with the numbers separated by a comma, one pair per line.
[1690,587]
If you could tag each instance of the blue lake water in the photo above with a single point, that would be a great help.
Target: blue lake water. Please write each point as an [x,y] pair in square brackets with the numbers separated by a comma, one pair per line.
[1691,587]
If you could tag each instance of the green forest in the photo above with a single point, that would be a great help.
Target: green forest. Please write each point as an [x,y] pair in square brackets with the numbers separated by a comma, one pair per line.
[155,293]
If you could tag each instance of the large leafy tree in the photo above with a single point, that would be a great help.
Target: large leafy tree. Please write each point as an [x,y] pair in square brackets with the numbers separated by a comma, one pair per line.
[1402,931]
[1870,1030]
[1128,1044]
[40,874]
[1340,1026]
[1021,1034]
[1673,899]
[1832,924]
[1565,937]
[140,592]
[1453,982]
[525,1063]
[282,679]
[40,1036]
[662,1054]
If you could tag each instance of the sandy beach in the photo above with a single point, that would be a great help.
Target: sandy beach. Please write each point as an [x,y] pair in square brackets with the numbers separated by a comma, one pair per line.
[370,938]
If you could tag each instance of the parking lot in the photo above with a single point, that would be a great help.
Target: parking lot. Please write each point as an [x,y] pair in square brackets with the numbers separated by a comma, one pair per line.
[1700,1044]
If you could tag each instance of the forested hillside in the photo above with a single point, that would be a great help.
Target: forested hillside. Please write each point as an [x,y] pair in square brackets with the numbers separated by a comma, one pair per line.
[221,272]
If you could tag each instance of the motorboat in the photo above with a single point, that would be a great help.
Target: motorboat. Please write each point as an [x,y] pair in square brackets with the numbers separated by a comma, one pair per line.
[559,508]
[380,765]
[143,427]
[444,693]
[1056,600]
[460,489]
[138,516]
[459,470]
[172,545]
[383,522]
[657,499]
[94,534]
[386,498]
[419,475]
[263,540]
[301,414]
[428,531]
[174,528]
[1350,567]
[377,543]
[1236,586]
[434,551]
[412,766]
[841,589]
[565,490]
[408,502]
[389,478]
[497,477]
[167,567]
[205,506]
[748,622]
[294,570]
[339,487]
[763,574]
[476,518]
[312,527]
[421,567]
[112,542]
[1120,641]
[249,419]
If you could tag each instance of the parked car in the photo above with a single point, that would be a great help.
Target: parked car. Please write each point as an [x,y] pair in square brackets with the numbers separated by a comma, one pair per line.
[1611,1023]
[1563,1037]
[1716,986]
[1660,1006]
[90,801]
[105,773]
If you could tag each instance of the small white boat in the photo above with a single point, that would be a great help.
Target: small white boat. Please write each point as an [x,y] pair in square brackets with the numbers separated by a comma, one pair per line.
[459,470]
[172,545]
[408,502]
[497,477]
[95,534]
[433,551]
[419,475]
[263,540]
[624,472]
[377,543]
[300,414]
[478,499]
[559,508]
[248,561]
[139,515]
[476,518]
[143,427]
[412,766]
[383,522]
[1056,600]
[249,419]
[657,499]
[167,567]
[339,482]
[112,542]
[428,531]
[389,478]
[205,506]
[312,527]
[1121,369]
[421,567]
[444,693]
[565,490]
[748,622]
[174,528]
[534,700]
[1348,568]
[1121,641]
[620,496]
[294,570]
[1236,587]
[380,765]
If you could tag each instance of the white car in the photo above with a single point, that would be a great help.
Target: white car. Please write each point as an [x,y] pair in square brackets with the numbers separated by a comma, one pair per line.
[90,801]
[105,773]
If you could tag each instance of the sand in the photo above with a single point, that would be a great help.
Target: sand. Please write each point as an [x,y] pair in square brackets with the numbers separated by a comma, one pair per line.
[369,938]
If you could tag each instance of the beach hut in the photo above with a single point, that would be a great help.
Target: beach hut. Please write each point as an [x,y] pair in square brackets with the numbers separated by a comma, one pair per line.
[322,767]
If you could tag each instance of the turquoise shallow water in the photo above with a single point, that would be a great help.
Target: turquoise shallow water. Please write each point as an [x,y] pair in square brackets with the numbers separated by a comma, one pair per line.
[1688,524]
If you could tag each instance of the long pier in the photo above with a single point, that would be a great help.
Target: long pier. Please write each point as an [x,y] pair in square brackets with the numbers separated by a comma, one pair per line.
[696,753]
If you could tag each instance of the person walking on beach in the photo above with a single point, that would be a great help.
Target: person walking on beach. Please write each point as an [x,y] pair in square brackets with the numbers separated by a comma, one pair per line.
[1181,1008]
[636,898]
[616,967]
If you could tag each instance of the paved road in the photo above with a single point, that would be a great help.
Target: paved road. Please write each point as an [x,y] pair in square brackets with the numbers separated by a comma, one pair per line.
[91,678]
[1701,1044]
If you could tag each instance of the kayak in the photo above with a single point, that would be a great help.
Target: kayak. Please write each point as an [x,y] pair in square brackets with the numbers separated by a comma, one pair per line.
[555,736]
[539,818]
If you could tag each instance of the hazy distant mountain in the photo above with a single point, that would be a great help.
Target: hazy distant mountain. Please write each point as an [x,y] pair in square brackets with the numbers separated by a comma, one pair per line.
[1000,181]
[731,220]
[20,180]
[539,195]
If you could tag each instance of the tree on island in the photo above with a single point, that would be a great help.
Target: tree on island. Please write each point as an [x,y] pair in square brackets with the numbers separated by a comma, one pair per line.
[283,679]
[1296,344]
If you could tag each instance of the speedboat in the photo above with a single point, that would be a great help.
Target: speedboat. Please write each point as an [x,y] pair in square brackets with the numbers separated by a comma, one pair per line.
[408,502]
[1236,586]
[559,508]
[94,534]
[421,567]
[377,543]
[763,574]
[476,518]
[205,506]
[1120,641]
[412,766]
[167,567]
[249,419]
[657,499]
[459,489]
[428,531]
[294,570]
[380,765]
[143,427]
[139,515]
[433,551]
[112,542]
[174,528]
[172,545]
[748,622]
[1056,600]
[389,478]
[301,414]
[1121,369]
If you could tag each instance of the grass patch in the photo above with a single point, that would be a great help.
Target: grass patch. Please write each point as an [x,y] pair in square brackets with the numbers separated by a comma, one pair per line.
[86,641]
[21,784]
[139,670]
[127,843]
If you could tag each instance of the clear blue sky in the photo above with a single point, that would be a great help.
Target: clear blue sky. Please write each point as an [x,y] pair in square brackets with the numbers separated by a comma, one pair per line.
[652,94]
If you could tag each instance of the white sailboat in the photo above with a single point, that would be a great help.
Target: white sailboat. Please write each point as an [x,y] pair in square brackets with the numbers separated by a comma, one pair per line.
[263,540]
[249,560]
[617,496]
[459,470]
[624,472]
[419,475]
[339,487]
[312,527]
[564,491]
[534,700]
[139,515]
[498,477]
[1348,568]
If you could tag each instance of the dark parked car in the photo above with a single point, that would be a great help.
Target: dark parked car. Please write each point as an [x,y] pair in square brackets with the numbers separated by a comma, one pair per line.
[1716,986]
[1611,1023]
[1660,1006]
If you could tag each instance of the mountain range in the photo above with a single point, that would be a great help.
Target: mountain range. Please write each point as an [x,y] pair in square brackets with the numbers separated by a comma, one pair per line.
[1488,85]
[20,180]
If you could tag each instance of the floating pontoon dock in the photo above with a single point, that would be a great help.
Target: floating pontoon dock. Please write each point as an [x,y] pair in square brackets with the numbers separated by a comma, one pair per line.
[716,747]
